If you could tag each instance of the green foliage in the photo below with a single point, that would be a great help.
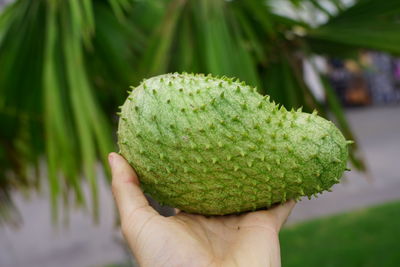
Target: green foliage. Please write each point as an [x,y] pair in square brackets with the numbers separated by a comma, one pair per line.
[65,66]
[369,24]
[368,237]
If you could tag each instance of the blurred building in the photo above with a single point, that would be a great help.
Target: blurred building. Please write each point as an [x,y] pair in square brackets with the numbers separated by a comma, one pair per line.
[373,79]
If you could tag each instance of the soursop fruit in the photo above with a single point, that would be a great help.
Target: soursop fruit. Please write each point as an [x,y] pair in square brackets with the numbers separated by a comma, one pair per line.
[215,146]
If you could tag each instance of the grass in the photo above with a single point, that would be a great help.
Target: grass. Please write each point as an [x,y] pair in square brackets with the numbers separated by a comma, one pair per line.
[365,238]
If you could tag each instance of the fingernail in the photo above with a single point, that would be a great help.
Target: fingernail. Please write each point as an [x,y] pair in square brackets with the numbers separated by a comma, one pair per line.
[111,158]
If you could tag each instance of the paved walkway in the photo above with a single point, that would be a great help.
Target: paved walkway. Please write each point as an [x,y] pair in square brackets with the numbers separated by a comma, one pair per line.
[38,244]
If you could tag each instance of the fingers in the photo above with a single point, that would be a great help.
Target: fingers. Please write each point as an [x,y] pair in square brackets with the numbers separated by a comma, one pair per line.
[128,195]
[282,211]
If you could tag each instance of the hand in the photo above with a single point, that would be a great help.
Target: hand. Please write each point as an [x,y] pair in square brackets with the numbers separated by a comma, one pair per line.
[250,239]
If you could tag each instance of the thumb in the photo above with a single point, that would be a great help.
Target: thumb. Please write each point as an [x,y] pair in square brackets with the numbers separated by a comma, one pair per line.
[132,205]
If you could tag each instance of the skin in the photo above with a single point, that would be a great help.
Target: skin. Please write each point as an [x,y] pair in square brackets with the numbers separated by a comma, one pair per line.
[249,239]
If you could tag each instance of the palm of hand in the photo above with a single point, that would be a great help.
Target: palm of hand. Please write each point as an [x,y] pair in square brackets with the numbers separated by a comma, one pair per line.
[250,239]
[192,240]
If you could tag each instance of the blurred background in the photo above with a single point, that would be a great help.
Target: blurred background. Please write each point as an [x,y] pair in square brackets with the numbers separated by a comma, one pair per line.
[65,67]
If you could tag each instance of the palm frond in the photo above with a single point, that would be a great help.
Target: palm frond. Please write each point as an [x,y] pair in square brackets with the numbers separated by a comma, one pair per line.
[54,101]
[65,67]
[370,24]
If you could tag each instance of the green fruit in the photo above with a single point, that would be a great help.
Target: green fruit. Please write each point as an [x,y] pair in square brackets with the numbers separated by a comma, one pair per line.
[216,146]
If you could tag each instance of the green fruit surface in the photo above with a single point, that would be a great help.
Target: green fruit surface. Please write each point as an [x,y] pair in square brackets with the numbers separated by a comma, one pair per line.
[215,146]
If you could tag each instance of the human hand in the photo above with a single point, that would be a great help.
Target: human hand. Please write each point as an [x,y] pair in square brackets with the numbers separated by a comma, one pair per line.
[249,239]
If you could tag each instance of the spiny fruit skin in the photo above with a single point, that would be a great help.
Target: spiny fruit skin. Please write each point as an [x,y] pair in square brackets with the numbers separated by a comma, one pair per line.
[215,146]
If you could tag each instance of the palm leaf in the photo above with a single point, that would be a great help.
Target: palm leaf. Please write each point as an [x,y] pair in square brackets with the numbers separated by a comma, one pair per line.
[65,66]
[371,24]
[58,100]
